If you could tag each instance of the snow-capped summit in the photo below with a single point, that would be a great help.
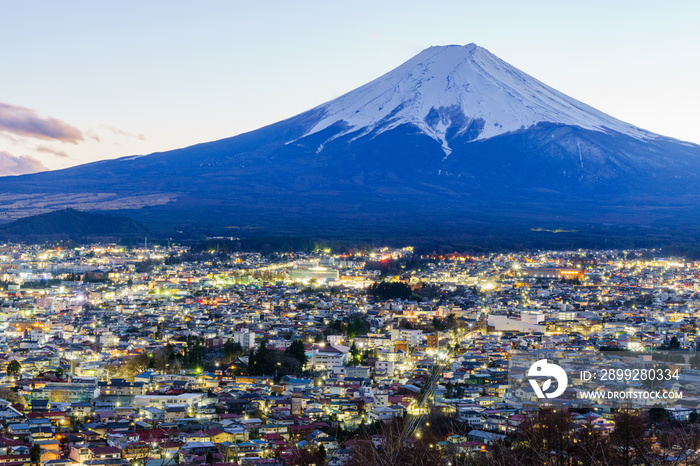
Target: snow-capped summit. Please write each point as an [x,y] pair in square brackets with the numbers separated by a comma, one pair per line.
[451,91]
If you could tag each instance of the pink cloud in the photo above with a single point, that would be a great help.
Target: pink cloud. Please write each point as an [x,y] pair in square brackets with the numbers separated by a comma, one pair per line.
[51,150]
[23,121]
[11,165]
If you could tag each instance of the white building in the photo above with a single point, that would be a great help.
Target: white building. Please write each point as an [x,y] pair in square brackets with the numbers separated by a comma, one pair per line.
[412,337]
[159,401]
[245,338]
[529,321]
[332,357]
[384,368]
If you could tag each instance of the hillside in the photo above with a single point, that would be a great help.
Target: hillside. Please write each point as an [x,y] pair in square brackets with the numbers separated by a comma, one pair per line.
[74,225]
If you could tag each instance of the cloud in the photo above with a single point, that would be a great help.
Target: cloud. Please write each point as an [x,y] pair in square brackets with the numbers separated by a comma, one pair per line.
[25,122]
[11,165]
[52,151]
[120,132]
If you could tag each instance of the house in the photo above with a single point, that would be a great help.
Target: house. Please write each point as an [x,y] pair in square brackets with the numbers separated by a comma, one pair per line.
[136,450]
[470,417]
[17,429]
[152,414]
[81,409]
[220,436]
[80,453]
[195,437]
[120,387]
[384,413]
[488,438]
[340,457]
[171,413]
[249,448]
[7,412]
[104,453]
[274,428]
[327,442]
[192,452]
[50,450]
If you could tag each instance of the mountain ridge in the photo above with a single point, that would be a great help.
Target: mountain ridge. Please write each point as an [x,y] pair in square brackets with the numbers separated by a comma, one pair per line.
[385,171]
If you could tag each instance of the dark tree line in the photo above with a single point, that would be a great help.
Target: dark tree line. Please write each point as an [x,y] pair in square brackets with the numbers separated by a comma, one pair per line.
[231,350]
[358,357]
[356,326]
[396,266]
[547,436]
[195,353]
[265,361]
[390,290]
[449,322]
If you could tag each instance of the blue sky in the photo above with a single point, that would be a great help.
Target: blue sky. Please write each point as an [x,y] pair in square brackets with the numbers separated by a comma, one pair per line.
[84,81]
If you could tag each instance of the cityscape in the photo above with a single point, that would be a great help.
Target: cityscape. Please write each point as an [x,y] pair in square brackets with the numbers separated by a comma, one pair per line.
[154,355]
[315,233]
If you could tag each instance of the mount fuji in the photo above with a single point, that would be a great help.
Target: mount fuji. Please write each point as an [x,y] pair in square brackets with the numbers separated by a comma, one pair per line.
[453,140]
[454,91]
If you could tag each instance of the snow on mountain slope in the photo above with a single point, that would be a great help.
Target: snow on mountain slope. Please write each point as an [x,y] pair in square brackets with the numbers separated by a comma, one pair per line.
[451,91]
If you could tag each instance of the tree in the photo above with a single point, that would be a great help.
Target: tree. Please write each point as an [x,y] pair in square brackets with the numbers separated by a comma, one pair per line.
[298,352]
[629,438]
[592,446]
[176,366]
[8,394]
[36,453]
[390,290]
[304,457]
[396,448]
[60,396]
[368,354]
[14,368]
[134,366]
[354,355]
[357,326]
[657,414]
[675,344]
[451,321]
[162,358]
[195,352]
[262,361]
[547,437]
[232,349]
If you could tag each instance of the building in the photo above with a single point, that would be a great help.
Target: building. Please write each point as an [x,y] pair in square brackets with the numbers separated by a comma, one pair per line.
[245,338]
[159,401]
[528,322]
[121,387]
[331,357]
[412,337]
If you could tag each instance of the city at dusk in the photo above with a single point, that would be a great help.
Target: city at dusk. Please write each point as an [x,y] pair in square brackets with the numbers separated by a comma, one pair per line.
[307,233]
